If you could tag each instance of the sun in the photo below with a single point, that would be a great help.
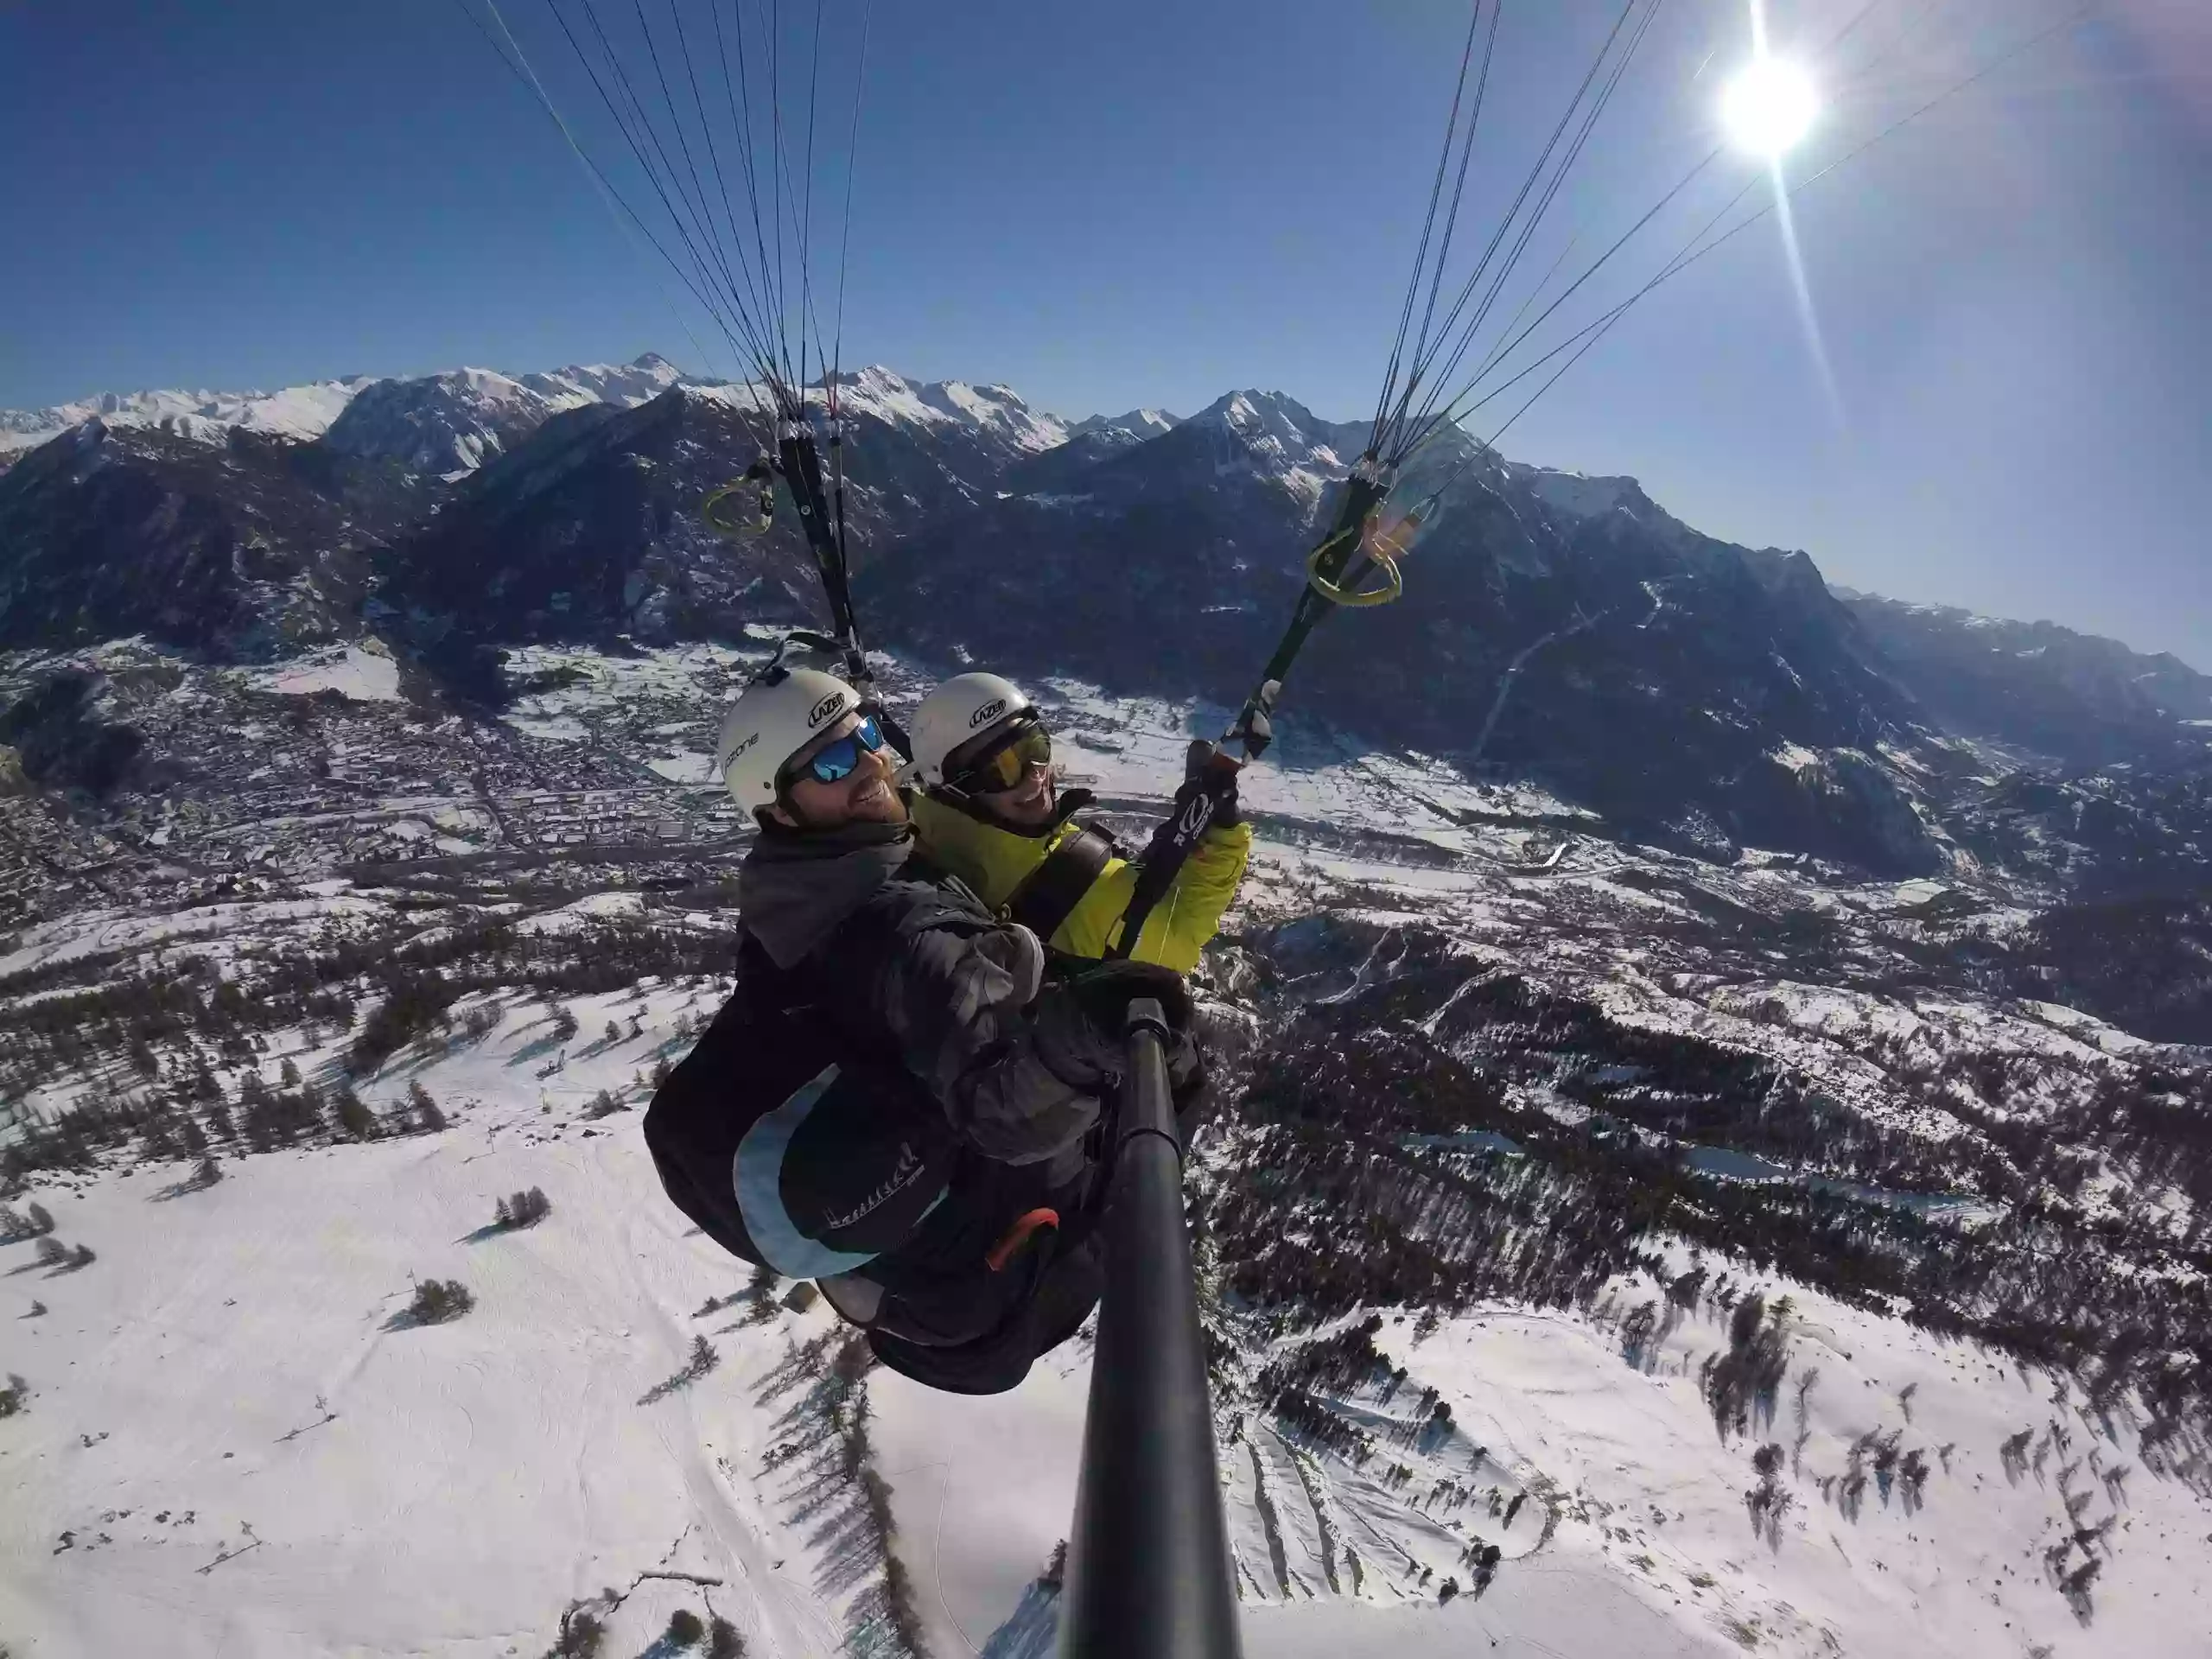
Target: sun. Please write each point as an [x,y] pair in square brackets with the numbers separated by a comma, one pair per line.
[1770,107]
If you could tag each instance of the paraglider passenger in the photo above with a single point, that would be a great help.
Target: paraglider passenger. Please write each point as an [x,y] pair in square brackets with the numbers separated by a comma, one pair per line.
[988,809]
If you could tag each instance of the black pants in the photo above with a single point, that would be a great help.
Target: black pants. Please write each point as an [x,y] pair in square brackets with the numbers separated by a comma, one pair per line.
[1058,1288]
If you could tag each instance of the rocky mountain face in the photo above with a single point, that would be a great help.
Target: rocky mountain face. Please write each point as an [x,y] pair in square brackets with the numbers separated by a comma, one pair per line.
[590,527]
[586,529]
[463,510]
[1089,442]
[236,546]
[443,423]
[1695,693]
[1560,629]
[2079,699]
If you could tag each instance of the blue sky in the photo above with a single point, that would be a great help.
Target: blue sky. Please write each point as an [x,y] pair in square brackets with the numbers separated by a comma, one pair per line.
[1154,203]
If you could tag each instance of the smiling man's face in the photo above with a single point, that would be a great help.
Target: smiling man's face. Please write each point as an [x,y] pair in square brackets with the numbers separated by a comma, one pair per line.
[1028,803]
[865,795]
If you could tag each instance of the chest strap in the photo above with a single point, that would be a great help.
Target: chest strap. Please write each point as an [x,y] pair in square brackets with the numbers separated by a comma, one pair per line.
[1056,887]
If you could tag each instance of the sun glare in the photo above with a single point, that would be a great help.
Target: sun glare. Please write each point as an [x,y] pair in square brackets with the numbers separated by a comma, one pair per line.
[1769,106]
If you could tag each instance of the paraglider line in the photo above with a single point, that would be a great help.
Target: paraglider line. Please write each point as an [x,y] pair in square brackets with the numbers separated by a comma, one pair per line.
[1428,225]
[1428,422]
[845,235]
[1692,253]
[1451,330]
[625,216]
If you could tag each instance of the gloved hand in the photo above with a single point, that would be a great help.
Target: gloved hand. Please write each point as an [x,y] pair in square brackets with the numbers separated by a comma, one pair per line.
[1105,989]
[1189,1083]
[1205,767]
[1081,1022]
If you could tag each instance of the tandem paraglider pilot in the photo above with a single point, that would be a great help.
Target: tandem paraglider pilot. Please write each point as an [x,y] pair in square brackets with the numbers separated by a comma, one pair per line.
[903,1100]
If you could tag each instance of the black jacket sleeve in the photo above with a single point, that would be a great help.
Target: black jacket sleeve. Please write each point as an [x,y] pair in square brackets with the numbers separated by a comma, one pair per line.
[1018,1073]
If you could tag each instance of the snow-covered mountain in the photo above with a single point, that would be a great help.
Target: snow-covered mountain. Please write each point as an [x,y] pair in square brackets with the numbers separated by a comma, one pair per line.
[1279,438]
[2071,695]
[453,422]
[299,484]
[296,411]
[622,383]
[458,416]
[448,424]
[996,413]
[1563,628]
[1642,669]
[1137,424]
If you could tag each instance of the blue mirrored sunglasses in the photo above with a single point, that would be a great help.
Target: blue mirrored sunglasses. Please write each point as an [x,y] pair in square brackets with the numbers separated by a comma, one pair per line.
[838,761]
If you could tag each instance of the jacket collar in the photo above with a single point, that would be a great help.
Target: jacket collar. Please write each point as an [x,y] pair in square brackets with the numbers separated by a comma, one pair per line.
[795,886]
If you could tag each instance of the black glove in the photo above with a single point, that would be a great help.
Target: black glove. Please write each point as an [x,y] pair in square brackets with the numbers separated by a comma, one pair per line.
[1106,992]
[1081,1022]
[1189,1083]
[1105,989]
[1206,768]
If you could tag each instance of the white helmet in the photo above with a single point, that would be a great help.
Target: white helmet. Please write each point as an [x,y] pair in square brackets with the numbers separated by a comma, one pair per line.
[964,707]
[773,719]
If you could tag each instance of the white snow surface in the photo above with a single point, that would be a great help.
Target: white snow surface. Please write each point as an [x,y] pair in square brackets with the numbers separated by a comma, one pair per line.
[1137,422]
[475,1477]
[250,1455]
[304,411]
[996,412]
[361,673]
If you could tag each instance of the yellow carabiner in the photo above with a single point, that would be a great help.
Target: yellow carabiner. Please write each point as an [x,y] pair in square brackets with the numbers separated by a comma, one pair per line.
[1393,582]
[758,509]
[1380,548]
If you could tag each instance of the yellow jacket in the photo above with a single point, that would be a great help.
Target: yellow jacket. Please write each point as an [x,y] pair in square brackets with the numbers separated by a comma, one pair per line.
[995,861]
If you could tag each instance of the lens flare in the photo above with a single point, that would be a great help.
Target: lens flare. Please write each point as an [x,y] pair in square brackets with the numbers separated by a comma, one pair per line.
[1770,107]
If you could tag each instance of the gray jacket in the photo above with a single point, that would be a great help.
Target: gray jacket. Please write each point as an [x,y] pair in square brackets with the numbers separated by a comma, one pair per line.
[900,950]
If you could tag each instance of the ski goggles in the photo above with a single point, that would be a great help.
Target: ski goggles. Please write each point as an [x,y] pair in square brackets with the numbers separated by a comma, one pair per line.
[837,761]
[1008,761]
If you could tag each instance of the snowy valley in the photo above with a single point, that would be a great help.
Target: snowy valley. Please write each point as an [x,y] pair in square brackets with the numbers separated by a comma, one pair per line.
[1764,1210]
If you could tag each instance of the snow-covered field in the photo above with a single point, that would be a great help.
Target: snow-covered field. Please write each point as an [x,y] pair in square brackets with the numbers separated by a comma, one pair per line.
[235,1445]
[365,673]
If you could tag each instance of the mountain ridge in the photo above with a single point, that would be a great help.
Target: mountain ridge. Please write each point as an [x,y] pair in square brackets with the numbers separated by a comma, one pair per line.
[1562,628]
[308,409]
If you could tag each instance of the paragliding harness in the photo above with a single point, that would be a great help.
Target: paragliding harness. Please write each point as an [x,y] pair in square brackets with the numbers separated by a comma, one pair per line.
[798,1145]
[1051,891]
[1337,573]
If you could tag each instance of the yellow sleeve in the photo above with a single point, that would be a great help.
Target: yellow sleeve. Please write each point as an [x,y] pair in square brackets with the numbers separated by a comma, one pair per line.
[1188,914]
